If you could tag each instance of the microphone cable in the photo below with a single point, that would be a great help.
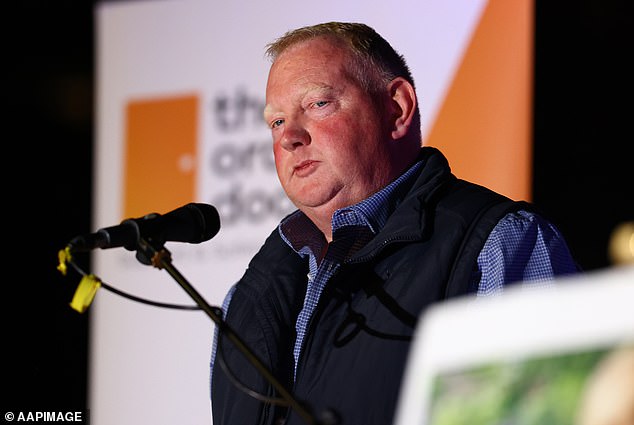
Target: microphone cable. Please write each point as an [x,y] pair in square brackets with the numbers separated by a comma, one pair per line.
[85,294]
[239,384]
[90,283]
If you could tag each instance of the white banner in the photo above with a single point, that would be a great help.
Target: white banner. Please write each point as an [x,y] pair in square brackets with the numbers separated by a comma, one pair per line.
[180,91]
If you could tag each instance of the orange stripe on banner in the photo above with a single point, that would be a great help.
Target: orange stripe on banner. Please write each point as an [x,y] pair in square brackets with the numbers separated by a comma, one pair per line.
[484,125]
[160,161]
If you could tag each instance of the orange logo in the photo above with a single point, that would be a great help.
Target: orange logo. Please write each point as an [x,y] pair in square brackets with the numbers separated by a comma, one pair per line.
[160,154]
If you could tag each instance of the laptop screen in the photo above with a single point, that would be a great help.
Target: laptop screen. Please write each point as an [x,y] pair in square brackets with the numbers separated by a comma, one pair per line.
[540,356]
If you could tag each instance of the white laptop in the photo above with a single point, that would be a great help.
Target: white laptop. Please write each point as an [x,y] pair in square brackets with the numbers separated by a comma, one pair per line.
[526,357]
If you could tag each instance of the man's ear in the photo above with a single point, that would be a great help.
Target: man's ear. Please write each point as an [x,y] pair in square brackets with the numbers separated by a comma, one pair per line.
[403,97]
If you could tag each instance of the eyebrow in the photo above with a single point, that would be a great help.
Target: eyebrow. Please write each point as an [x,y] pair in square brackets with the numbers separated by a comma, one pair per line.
[268,109]
[267,112]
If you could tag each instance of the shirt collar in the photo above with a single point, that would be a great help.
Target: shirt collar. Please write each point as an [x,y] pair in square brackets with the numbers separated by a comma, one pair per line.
[304,237]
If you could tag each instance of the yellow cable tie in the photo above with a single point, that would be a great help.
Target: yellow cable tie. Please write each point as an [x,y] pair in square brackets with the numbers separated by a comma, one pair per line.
[64,258]
[85,292]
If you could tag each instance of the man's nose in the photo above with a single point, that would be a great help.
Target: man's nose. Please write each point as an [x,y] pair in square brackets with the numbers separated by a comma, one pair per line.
[294,136]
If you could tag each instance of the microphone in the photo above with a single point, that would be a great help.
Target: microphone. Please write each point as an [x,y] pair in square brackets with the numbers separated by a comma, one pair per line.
[191,223]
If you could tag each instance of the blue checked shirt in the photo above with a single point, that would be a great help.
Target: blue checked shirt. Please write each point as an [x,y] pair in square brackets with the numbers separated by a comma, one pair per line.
[517,235]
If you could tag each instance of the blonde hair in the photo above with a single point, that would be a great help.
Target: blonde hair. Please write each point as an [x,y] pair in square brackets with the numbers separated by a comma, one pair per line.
[374,61]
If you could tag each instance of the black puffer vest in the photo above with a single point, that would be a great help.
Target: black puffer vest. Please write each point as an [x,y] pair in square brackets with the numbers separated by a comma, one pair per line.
[358,339]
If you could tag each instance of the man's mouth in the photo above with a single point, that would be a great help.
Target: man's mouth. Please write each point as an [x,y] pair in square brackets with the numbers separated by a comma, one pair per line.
[304,168]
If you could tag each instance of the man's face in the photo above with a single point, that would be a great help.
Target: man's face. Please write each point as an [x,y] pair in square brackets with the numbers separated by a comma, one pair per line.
[329,138]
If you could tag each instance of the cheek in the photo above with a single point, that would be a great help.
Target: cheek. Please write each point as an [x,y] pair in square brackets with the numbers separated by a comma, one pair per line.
[279,158]
[276,151]
[349,140]
[335,135]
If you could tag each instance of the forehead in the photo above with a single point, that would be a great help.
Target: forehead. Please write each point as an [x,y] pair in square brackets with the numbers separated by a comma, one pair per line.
[316,47]
[312,63]
[311,56]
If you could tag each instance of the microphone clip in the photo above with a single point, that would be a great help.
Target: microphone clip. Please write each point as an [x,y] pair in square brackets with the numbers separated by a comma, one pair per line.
[152,253]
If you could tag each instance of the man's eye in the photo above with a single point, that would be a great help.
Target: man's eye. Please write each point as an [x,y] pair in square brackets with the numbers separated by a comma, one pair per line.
[321,103]
[277,123]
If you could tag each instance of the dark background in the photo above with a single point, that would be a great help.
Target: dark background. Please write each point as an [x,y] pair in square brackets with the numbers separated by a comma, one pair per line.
[583,167]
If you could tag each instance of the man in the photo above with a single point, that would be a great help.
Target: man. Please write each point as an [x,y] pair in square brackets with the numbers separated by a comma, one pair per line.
[383,230]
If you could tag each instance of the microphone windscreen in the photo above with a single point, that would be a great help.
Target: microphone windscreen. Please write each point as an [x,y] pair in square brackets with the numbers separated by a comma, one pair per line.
[192,223]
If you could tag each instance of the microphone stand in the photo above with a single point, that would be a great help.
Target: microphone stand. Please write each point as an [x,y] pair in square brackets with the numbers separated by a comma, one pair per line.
[159,257]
